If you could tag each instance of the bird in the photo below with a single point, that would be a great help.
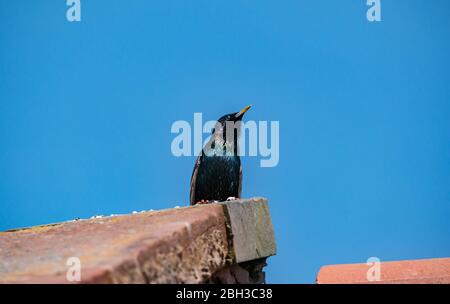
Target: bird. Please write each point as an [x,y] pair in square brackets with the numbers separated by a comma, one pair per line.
[217,174]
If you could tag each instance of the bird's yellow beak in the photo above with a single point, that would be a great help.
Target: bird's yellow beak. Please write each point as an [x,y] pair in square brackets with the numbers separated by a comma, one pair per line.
[242,112]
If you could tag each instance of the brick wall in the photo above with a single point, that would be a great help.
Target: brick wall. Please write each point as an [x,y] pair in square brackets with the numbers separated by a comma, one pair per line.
[224,242]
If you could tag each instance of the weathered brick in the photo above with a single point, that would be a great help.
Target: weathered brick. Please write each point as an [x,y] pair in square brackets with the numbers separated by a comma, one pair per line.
[154,247]
[251,229]
[426,271]
[183,245]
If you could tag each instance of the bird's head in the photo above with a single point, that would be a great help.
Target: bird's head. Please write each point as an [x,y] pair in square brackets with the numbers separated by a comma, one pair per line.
[229,120]
[226,132]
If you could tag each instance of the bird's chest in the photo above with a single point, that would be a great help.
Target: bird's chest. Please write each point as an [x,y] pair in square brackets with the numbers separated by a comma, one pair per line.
[219,173]
[220,165]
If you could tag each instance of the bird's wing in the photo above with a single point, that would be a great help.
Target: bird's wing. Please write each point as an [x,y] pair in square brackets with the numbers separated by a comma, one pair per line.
[194,179]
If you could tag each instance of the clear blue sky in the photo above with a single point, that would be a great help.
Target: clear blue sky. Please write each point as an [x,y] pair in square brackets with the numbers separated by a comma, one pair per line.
[364,110]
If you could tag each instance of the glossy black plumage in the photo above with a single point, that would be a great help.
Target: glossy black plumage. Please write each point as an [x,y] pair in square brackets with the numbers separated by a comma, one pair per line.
[217,177]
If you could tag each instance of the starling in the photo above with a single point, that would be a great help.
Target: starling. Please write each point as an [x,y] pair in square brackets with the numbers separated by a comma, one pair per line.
[217,174]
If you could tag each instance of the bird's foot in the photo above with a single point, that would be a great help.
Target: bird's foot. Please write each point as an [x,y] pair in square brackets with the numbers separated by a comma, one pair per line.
[231,198]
